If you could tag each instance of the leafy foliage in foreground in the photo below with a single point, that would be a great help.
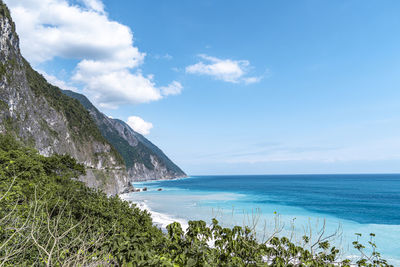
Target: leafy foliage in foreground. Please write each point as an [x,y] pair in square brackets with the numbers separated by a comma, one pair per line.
[48,218]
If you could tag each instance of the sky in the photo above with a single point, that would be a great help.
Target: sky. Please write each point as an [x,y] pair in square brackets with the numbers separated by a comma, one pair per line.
[229,86]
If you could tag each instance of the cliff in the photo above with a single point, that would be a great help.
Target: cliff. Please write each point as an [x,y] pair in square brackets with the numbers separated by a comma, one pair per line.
[143,160]
[41,116]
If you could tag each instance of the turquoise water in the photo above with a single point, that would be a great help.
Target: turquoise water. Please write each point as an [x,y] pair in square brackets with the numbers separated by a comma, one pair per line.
[294,205]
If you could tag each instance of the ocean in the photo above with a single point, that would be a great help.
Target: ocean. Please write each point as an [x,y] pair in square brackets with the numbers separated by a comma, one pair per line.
[286,205]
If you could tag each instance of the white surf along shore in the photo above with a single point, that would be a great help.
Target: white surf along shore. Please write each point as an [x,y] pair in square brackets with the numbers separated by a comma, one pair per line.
[160,219]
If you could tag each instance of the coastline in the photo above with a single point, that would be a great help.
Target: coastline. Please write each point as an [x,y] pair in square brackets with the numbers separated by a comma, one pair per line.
[181,201]
[162,220]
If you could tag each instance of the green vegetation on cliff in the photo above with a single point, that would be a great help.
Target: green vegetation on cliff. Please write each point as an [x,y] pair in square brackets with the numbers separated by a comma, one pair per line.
[5,12]
[79,120]
[48,218]
[81,124]
[130,154]
[116,132]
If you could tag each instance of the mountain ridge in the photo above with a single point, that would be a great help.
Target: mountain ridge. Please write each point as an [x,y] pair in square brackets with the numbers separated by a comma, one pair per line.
[143,160]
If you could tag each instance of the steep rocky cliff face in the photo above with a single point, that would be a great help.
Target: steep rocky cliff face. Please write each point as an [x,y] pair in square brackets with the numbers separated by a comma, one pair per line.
[43,117]
[143,160]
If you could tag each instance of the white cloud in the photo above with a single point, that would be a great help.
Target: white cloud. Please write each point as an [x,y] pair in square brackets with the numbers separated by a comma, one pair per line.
[118,87]
[174,88]
[139,125]
[55,28]
[108,60]
[227,70]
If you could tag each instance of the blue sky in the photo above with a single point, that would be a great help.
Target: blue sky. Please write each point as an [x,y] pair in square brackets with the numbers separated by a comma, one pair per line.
[233,87]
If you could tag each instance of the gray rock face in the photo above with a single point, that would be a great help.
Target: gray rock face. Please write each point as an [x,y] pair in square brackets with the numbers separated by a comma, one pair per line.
[143,160]
[33,117]
[43,117]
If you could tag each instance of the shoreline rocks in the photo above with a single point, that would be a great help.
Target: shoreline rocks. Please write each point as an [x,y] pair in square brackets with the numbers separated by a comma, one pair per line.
[129,188]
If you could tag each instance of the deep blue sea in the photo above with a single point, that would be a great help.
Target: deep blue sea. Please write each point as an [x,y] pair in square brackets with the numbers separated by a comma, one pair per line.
[295,204]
